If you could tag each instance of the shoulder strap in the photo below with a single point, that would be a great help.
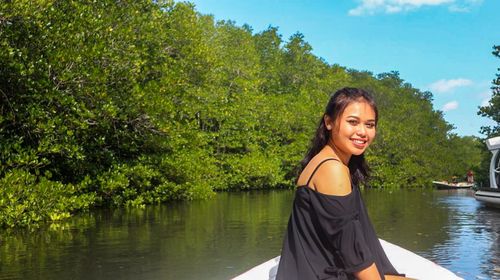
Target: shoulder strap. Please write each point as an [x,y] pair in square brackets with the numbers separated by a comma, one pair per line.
[316,169]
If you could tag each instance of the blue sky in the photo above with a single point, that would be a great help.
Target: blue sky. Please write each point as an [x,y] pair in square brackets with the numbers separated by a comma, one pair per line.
[439,45]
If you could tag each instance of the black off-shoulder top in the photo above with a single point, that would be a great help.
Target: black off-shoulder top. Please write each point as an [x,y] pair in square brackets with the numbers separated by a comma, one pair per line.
[330,237]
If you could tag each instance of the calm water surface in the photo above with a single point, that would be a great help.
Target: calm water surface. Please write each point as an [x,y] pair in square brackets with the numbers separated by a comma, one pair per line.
[220,238]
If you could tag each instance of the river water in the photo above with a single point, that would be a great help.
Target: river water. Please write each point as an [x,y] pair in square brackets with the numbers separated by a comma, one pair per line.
[222,237]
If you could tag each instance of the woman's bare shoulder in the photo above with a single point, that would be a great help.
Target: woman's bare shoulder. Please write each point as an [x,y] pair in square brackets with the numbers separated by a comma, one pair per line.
[332,178]
[307,172]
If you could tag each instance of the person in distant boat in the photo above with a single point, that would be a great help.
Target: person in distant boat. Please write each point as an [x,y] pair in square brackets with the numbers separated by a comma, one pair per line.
[329,233]
[470,176]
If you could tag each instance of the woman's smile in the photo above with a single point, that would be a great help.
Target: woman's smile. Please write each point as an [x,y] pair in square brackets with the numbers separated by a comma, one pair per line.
[359,143]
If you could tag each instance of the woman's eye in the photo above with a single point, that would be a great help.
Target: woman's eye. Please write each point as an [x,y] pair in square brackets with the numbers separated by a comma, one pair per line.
[370,125]
[353,122]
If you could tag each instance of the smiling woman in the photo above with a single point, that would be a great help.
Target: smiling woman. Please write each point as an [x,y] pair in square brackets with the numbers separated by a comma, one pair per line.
[329,233]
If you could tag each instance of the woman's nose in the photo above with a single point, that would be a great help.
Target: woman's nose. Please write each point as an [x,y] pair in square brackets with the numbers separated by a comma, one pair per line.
[361,130]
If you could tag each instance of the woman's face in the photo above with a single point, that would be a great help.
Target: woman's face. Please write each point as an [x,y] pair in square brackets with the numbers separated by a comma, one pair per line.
[354,130]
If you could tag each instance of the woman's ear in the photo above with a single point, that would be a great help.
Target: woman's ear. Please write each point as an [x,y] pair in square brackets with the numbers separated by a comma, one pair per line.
[328,122]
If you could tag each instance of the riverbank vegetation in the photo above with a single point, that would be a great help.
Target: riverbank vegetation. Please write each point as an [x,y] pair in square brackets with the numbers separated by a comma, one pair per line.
[490,110]
[116,103]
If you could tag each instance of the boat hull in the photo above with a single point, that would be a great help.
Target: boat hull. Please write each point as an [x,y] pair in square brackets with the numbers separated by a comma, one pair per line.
[411,264]
[489,196]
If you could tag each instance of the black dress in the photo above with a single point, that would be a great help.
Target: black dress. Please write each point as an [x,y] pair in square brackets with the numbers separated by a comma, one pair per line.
[329,237]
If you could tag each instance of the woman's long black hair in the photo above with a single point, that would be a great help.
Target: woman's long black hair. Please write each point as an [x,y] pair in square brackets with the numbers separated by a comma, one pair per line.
[358,167]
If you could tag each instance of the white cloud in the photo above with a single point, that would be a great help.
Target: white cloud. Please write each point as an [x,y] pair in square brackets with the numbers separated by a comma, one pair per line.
[464,6]
[486,96]
[458,9]
[450,106]
[448,85]
[393,9]
[370,7]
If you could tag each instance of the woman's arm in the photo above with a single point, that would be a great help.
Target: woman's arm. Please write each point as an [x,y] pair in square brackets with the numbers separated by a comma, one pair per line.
[395,277]
[369,273]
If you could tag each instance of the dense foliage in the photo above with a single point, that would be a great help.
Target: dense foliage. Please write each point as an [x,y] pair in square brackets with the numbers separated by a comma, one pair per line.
[492,110]
[110,103]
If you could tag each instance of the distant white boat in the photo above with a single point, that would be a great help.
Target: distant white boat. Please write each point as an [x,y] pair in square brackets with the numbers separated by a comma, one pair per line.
[491,196]
[411,264]
[443,185]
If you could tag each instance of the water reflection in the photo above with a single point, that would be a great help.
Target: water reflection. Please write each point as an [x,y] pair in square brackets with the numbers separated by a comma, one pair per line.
[220,238]
[409,218]
[463,236]
[487,238]
[472,251]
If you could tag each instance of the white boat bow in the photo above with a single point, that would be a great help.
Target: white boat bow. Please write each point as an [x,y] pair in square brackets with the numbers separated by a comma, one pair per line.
[409,263]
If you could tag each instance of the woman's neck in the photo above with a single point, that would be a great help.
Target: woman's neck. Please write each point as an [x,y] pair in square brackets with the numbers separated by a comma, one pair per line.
[330,148]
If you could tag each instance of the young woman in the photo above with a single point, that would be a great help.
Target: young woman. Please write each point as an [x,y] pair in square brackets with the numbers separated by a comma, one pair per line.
[329,234]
